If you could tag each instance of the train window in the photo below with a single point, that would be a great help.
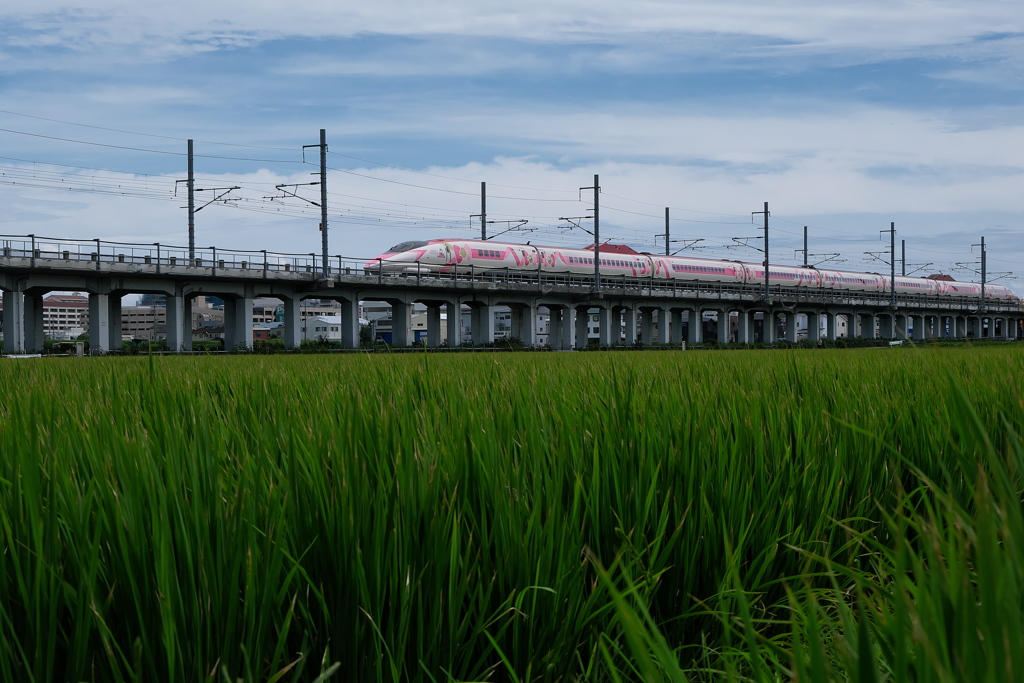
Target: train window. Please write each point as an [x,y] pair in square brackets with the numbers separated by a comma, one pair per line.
[406,246]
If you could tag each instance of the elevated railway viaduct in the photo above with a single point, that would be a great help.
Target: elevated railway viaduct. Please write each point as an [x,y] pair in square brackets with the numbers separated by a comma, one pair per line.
[659,311]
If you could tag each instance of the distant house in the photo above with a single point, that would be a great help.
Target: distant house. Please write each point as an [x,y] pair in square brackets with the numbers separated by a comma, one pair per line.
[274,330]
[321,327]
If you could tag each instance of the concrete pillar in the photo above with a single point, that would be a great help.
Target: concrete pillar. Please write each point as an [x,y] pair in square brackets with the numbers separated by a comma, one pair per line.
[176,324]
[349,323]
[14,322]
[917,323]
[568,322]
[851,325]
[453,311]
[724,331]
[830,325]
[401,324]
[186,322]
[629,325]
[524,324]
[768,327]
[647,326]
[605,336]
[99,325]
[291,330]
[959,326]
[694,326]
[237,322]
[114,319]
[867,326]
[791,327]
[33,325]
[744,329]
[582,327]
[813,328]
[886,326]
[901,326]
[664,326]
[676,335]
[434,326]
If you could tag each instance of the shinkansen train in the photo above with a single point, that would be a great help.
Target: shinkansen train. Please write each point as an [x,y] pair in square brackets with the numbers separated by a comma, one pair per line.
[448,256]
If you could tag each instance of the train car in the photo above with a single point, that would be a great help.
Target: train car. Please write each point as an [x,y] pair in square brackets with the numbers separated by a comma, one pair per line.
[440,256]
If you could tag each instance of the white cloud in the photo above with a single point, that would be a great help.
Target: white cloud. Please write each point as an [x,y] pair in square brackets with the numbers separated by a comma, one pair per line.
[811,26]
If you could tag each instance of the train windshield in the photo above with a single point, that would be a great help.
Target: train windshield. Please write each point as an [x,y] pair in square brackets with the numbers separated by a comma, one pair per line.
[405,246]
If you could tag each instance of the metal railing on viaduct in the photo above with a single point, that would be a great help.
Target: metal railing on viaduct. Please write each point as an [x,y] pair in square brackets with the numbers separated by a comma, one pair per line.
[656,311]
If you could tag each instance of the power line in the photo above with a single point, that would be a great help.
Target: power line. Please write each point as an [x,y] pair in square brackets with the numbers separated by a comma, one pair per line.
[148,151]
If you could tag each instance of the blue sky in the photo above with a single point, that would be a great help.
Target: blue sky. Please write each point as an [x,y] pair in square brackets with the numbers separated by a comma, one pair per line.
[844,116]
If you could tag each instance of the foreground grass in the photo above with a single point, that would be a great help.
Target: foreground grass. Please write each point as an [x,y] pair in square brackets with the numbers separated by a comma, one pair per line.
[750,516]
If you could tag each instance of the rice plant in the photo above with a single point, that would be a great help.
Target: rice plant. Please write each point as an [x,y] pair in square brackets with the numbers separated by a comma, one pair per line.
[782,515]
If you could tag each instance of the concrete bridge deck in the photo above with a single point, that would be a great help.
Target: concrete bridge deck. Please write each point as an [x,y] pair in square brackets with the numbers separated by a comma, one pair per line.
[661,311]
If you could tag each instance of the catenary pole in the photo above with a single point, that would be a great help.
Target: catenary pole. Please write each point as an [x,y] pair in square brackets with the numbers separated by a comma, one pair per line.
[191,205]
[903,256]
[805,246]
[983,273]
[483,211]
[766,290]
[323,195]
[892,262]
[668,239]
[597,238]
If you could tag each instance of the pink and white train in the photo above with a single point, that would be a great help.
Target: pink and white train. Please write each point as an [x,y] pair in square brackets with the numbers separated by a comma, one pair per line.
[446,256]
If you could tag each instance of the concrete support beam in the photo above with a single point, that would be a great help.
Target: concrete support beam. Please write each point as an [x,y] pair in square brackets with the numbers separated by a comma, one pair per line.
[99,324]
[676,337]
[629,321]
[916,322]
[900,327]
[958,327]
[813,328]
[434,326]
[851,325]
[14,322]
[830,325]
[582,327]
[791,327]
[349,323]
[724,327]
[664,326]
[114,318]
[34,336]
[291,330]
[646,326]
[606,326]
[401,324]
[694,326]
[744,330]
[568,323]
[177,325]
[453,310]
[867,326]
[186,321]
[237,322]
[886,326]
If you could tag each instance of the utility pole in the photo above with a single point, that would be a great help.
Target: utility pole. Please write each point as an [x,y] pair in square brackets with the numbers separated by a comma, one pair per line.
[981,309]
[191,206]
[765,212]
[483,211]
[323,194]
[667,238]
[892,263]
[597,239]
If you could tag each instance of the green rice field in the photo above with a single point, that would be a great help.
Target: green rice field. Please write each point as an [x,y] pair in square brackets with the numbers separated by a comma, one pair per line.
[807,515]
